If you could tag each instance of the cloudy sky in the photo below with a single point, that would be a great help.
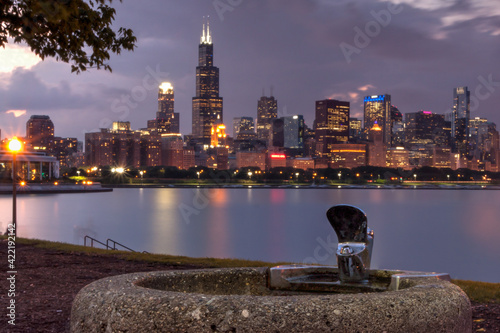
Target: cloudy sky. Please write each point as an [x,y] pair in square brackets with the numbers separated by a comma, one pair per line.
[415,50]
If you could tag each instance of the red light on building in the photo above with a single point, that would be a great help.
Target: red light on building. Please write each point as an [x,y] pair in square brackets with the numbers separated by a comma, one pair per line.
[278,156]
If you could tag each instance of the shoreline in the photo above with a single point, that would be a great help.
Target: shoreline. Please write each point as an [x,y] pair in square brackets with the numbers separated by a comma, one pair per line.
[34,188]
[302,186]
[52,188]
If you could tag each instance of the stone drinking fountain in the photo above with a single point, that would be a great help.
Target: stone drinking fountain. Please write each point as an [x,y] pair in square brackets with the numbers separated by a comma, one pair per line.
[349,297]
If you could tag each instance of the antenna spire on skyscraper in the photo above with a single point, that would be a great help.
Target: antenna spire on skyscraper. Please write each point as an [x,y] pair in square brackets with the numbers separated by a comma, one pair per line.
[205,36]
[209,38]
[203,32]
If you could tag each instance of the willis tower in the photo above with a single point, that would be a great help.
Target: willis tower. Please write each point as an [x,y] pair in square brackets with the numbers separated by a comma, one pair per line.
[207,105]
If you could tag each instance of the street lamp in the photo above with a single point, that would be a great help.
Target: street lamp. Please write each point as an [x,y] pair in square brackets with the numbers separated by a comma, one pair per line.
[250,175]
[415,176]
[142,175]
[340,175]
[448,177]
[14,146]
[296,176]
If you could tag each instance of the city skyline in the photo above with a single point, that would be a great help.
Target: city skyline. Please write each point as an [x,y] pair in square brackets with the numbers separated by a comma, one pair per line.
[307,51]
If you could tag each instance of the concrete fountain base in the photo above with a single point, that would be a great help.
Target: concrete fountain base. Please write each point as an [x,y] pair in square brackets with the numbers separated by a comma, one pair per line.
[240,300]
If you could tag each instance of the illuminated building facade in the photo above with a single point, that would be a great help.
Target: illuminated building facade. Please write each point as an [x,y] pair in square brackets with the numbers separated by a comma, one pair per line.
[276,160]
[251,159]
[421,155]
[397,128]
[189,159]
[484,143]
[40,133]
[303,163]
[63,149]
[460,121]
[119,146]
[267,110]
[221,158]
[425,127]
[355,129]
[150,148]
[207,105]
[218,135]
[243,125]
[348,155]
[331,125]
[442,157]
[376,154]
[398,158]
[172,150]
[166,121]
[293,132]
[377,108]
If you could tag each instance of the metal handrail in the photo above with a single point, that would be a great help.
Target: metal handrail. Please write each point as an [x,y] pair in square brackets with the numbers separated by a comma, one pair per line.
[92,240]
[115,243]
[108,247]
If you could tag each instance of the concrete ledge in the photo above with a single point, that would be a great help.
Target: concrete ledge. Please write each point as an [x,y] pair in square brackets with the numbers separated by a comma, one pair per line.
[239,300]
[31,188]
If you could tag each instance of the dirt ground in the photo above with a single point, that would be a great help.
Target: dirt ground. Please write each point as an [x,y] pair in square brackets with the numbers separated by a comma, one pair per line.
[47,282]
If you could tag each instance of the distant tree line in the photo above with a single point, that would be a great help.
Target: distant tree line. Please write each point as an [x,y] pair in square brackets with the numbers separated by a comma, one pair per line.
[359,175]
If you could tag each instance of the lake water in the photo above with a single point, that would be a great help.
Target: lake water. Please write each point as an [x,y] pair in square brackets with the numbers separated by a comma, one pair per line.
[452,231]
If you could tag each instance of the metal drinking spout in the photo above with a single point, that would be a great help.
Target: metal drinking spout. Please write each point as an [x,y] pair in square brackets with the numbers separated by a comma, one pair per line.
[355,242]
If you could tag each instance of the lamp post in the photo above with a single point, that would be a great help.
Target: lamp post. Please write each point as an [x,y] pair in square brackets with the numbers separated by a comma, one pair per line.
[142,175]
[14,147]
[250,175]
[340,175]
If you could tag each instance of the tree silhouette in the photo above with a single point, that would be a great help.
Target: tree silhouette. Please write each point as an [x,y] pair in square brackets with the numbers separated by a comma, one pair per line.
[73,31]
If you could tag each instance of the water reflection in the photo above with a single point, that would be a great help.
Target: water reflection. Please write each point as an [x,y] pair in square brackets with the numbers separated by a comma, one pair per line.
[164,227]
[414,229]
[217,224]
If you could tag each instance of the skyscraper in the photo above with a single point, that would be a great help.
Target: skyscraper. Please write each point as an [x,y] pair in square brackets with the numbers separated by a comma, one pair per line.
[267,110]
[244,128]
[118,146]
[166,121]
[354,129]
[293,132]
[460,121]
[397,127]
[378,109]
[207,105]
[245,124]
[40,132]
[331,125]
[426,127]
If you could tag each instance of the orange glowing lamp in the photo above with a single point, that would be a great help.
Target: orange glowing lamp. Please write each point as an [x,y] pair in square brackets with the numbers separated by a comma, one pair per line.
[15,145]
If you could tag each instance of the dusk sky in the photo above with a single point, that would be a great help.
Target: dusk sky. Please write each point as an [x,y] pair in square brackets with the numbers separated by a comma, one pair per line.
[415,50]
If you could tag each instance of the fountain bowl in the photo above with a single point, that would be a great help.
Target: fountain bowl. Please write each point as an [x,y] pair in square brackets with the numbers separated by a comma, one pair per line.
[278,299]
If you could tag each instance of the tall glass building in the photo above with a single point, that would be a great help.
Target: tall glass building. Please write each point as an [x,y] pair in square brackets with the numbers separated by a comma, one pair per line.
[166,121]
[331,125]
[377,109]
[460,123]
[207,105]
[267,111]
